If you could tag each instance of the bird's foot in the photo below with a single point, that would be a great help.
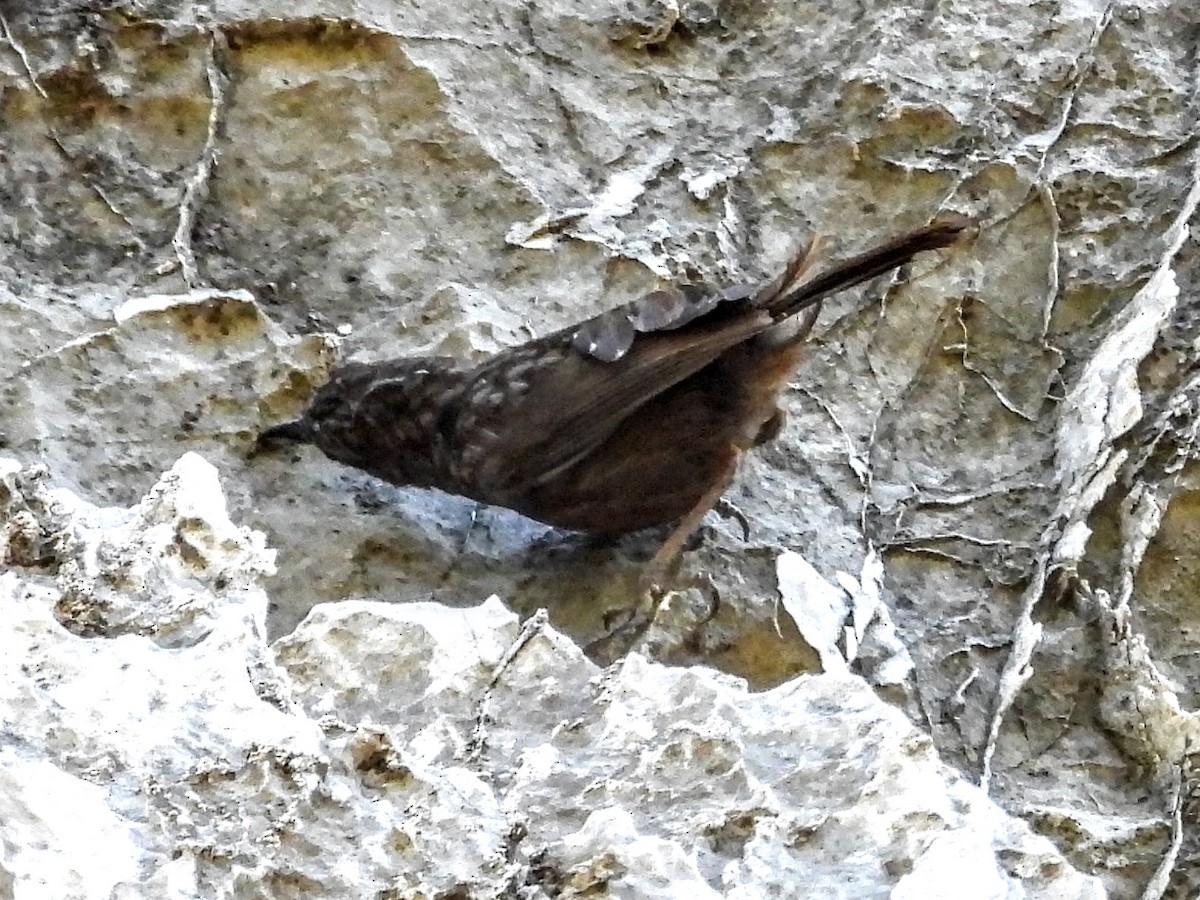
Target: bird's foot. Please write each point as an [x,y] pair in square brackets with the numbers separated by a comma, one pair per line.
[727,509]
[627,627]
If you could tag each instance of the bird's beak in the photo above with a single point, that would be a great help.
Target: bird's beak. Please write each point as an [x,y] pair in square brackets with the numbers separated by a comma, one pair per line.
[299,431]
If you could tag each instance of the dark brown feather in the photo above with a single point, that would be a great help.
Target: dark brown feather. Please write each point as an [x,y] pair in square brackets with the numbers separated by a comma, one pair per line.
[626,420]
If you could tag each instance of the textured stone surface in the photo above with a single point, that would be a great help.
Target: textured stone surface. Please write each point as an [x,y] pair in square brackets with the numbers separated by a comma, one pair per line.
[983,500]
[403,750]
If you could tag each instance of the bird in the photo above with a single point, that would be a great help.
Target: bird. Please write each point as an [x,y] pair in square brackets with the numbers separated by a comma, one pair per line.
[634,418]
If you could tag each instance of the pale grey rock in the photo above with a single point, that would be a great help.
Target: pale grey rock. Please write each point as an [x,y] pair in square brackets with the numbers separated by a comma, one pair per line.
[202,206]
[413,750]
[61,836]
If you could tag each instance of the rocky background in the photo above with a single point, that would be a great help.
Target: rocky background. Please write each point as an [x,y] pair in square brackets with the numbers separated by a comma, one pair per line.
[956,651]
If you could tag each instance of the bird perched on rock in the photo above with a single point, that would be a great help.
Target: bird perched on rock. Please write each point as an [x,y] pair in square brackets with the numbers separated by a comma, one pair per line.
[634,418]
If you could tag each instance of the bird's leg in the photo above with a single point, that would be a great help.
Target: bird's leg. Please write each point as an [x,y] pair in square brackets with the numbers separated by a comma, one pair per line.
[640,618]
[656,570]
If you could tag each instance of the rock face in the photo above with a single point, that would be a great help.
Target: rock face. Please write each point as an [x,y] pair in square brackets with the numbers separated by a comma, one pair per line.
[971,552]
[155,746]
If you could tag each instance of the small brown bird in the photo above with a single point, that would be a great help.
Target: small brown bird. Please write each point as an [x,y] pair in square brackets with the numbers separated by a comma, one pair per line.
[634,418]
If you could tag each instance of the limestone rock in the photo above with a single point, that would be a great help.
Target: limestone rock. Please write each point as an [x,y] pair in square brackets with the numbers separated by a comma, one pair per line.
[416,750]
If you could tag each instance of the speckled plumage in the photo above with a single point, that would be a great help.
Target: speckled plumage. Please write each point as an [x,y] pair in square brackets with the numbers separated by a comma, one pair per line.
[630,419]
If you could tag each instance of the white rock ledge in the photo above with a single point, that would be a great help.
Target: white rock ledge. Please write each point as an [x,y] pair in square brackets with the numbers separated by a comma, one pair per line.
[156,747]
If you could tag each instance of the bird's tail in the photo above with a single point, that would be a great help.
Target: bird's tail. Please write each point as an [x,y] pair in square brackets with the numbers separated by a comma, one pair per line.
[789,297]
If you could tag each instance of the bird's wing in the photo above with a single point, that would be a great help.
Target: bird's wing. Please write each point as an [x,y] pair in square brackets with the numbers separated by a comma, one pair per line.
[578,385]
[608,367]
[610,335]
